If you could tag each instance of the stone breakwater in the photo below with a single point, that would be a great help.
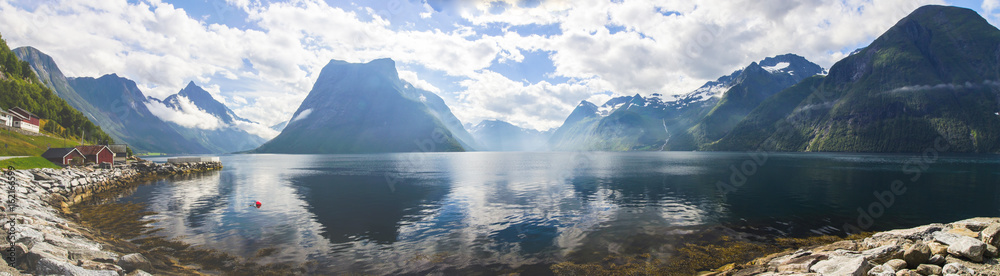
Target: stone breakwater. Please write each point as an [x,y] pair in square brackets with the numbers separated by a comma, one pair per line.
[967,247]
[40,240]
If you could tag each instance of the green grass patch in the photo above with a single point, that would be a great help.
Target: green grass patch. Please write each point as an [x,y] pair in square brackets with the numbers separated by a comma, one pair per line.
[28,163]
[16,144]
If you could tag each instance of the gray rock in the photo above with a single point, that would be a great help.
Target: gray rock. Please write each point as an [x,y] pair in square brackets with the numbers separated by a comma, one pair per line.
[991,251]
[917,254]
[962,246]
[134,261]
[907,272]
[843,265]
[49,266]
[896,264]
[957,268]
[916,233]
[991,235]
[882,254]
[882,270]
[937,259]
[139,273]
[928,269]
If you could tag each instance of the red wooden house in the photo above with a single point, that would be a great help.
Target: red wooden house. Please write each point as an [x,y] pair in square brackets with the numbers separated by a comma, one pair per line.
[24,119]
[97,154]
[64,156]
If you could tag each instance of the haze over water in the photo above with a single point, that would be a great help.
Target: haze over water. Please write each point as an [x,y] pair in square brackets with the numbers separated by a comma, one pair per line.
[423,212]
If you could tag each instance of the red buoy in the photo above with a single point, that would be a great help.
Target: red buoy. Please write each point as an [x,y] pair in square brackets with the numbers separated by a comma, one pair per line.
[257,204]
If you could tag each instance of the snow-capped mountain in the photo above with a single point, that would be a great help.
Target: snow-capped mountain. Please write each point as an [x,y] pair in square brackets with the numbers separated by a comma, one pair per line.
[662,122]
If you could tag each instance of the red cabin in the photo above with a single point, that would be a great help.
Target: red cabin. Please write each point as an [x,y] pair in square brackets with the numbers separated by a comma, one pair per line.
[64,156]
[97,154]
[24,119]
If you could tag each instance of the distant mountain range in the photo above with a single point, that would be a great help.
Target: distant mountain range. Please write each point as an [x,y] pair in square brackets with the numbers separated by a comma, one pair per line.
[360,108]
[680,122]
[496,135]
[118,106]
[932,81]
[934,75]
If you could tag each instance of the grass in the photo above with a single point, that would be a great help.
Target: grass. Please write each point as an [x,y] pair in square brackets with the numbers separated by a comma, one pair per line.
[28,163]
[16,144]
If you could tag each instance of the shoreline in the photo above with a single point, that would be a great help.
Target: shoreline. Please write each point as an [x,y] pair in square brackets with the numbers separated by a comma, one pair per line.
[50,237]
[45,237]
[965,247]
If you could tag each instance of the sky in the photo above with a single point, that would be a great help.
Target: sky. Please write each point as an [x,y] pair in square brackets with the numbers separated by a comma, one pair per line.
[527,62]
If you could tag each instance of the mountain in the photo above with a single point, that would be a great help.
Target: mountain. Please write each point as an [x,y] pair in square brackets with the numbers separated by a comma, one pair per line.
[45,67]
[280,126]
[121,101]
[930,82]
[679,122]
[366,107]
[496,135]
[227,135]
[23,88]
[753,85]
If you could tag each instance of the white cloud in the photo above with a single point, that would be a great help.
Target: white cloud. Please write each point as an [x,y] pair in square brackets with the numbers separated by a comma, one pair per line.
[302,115]
[188,115]
[161,47]
[990,7]
[256,129]
[411,77]
[540,106]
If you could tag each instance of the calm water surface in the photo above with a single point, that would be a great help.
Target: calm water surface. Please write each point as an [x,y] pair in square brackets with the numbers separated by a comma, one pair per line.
[425,212]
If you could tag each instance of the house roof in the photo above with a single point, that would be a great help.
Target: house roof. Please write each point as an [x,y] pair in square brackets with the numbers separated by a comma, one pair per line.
[22,110]
[59,152]
[91,150]
[118,148]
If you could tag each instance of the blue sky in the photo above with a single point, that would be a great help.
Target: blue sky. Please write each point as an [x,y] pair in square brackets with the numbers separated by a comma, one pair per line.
[528,62]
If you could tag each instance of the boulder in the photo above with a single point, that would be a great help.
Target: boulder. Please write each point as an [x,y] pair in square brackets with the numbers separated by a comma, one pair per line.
[928,269]
[907,272]
[916,233]
[938,248]
[991,235]
[139,273]
[957,268]
[134,261]
[991,252]
[896,264]
[843,265]
[49,266]
[800,264]
[962,246]
[882,254]
[917,254]
[937,259]
[882,270]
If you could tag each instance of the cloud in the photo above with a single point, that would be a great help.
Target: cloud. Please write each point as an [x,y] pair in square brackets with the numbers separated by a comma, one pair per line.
[188,115]
[302,115]
[540,106]
[666,47]
[256,129]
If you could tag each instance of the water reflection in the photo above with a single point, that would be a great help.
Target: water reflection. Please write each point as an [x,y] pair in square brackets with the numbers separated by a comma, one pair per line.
[434,212]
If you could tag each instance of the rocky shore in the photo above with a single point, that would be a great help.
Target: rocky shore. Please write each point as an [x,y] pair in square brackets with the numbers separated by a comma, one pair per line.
[42,239]
[967,247]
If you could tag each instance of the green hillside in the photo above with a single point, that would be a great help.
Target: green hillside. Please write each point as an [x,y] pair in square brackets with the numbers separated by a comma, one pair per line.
[933,76]
[20,87]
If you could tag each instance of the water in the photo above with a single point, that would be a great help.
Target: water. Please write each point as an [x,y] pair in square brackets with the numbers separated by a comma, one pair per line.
[421,212]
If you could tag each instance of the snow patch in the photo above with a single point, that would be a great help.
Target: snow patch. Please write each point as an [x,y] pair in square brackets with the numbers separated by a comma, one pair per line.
[606,110]
[776,68]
